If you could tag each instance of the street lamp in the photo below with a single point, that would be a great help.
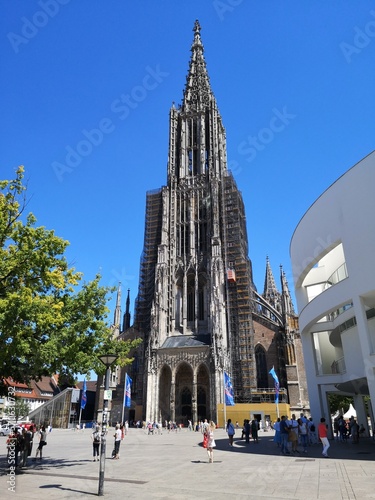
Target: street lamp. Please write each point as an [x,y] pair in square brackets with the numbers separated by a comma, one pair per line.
[107,360]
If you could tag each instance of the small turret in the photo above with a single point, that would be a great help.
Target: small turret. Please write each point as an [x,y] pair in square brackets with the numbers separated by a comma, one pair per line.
[287,303]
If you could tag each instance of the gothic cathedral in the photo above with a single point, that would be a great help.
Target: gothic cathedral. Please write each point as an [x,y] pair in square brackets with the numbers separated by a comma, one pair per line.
[197,310]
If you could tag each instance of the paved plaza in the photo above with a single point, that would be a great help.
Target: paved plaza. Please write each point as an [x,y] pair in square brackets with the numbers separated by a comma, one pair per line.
[175,466]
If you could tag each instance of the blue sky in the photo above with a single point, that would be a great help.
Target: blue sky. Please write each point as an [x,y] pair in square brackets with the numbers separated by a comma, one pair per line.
[86,90]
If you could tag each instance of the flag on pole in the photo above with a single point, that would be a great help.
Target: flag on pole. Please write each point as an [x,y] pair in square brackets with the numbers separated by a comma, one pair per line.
[128,391]
[83,396]
[228,390]
[277,385]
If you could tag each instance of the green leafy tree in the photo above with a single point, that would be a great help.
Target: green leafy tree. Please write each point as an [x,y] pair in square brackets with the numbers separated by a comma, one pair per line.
[46,325]
[19,410]
[339,403]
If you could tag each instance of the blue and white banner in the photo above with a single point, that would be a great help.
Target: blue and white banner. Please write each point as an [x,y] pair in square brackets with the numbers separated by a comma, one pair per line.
[277,385]
[83,395]
[228,390]
[128,391]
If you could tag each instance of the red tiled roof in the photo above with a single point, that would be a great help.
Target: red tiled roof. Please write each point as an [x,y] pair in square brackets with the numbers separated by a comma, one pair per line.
[45,384]
[12,383]
[45,388]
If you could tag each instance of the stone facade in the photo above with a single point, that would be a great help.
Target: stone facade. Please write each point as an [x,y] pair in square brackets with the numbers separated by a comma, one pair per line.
[198,311]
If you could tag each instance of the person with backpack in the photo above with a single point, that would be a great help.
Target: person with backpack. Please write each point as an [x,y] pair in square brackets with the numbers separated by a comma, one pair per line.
[95,437]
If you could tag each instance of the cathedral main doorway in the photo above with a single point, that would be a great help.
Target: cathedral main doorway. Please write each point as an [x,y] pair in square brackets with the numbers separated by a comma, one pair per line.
[188,398]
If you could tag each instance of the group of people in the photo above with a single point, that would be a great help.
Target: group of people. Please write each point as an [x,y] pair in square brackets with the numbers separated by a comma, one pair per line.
[344,430]
[20,443]
[157,427]
[96,437]
[207,430]
[250,428]
[289,433]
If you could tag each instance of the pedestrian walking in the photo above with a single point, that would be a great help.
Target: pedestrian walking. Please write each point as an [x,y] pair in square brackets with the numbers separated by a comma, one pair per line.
[204,426]
[293,434]
[254,429]
[277,437]
[117,435]
[42,442]
[96,439]
[247,429]
[322,433]
[284,434]
[19,440]
[243,429]
[27,444]
[211,441]
[312,432]
[230,431]
[355,432]
[303,433]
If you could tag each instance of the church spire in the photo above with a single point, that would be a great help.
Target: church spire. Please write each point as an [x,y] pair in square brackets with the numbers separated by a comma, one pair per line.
[197,140]
[270,290]
[126,320]
[271,293]
[287,299]
[197,93]
[117,314]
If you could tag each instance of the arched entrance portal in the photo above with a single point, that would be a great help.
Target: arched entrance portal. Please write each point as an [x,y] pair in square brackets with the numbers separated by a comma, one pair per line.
[188,398]
[184,394]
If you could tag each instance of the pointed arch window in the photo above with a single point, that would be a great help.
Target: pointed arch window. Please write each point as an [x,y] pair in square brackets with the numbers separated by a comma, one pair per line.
[201,304]
[261,365]
[191,300]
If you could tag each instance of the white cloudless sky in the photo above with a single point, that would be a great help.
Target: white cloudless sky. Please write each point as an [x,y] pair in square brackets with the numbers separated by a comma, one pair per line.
[86,89]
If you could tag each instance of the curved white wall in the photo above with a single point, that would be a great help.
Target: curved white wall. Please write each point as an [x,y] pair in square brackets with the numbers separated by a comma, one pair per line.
[338,233]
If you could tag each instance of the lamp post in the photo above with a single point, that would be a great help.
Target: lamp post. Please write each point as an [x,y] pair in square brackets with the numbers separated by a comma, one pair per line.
[107,360]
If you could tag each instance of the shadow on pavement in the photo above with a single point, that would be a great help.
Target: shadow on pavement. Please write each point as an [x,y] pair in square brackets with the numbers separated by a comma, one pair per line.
[364,450]
[59,487]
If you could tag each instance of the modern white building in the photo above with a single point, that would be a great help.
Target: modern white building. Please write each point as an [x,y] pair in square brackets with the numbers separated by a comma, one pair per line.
[333,259]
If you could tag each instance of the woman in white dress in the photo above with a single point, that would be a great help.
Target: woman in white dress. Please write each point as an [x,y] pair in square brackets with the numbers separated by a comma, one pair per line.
[211,441]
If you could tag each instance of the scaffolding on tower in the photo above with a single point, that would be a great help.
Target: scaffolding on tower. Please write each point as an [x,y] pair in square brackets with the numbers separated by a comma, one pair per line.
[240,288]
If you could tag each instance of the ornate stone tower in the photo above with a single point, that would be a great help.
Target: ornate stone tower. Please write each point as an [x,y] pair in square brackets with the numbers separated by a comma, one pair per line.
[196,299]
